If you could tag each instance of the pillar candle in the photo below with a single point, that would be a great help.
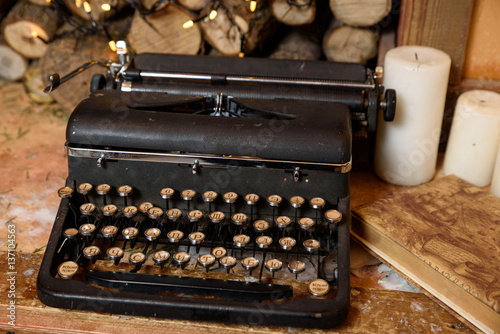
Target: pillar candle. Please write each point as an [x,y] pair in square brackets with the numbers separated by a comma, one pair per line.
[406,149]
[495,182]
[474,137]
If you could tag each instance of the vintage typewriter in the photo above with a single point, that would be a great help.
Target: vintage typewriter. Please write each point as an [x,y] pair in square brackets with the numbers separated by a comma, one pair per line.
[211,189]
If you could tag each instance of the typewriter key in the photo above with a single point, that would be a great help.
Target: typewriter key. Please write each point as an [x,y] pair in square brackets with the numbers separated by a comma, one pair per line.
[103,189]
[264,241]
[228,262]
[274,265]
[333,216]
[230,197]
[65,192]
[109,210]
[274,200]
[251,199]
[155,212]
[311,245]
[196,238]
[250,264]
[287,243]
[87,209]
[87,230]
[166,194]
[317,203]
[137,259]
[239,219]
[182,259]
[241,240]
[219,252]
[296,267]
[91,253]
[318,287]
[70,233]
[124,191]
[84,188]
[195,216]
[129,211]
[145,206]
[283,222]
[130,233]
[161,257]
[216,217]
[306,223]
[115,254]
[297,201]
[206,261]
[109,231]
[152,234]
[67,269]
[174,237]
[209,196]
[174,214]
[188,196]
[261,226]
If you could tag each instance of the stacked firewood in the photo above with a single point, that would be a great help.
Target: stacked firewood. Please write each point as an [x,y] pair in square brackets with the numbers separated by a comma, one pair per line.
[41,37]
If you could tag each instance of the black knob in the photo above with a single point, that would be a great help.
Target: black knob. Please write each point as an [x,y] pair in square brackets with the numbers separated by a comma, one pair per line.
[390,105]
[98,82]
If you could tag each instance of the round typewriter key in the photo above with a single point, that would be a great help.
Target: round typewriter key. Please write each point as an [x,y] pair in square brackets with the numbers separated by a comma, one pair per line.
[283,221]
[130,233]
[188,194]
[167,193]
[230,197]
[67,269]
[124,191]
[152,233]
[145,206]
[317,203]
[209,196]
[103,189]
[264,241]
[274,265]
[318,287]
[175,236]
[296,267]
[109,210]
[161,257]
[241,240]
[115,254]
[228,262]
[239,219]
[274,200]
[174,214]
[219,252]
[196,238]
[70,233]
[287,243]
[250,264]
[87,209]
[297,201]
[129,211]
[333,216]
[306,223]
[137,258]
[65,192]
[311,245]
[84,188]
[91,253]
[261,226]
[154,212]
[195,216]
[251,199]
[87,230]
[182,258]
[109,231]
[206,260]
[216,217]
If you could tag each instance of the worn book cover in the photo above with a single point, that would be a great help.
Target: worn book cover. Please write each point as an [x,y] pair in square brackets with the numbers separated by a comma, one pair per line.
[445,237]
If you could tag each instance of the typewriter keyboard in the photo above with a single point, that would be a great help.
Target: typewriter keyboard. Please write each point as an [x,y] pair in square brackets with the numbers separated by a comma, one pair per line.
[208,245]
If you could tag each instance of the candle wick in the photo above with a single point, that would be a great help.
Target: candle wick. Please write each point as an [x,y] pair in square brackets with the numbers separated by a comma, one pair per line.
[416,56]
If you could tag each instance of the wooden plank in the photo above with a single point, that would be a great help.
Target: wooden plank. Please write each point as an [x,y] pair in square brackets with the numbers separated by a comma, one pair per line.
[441,24]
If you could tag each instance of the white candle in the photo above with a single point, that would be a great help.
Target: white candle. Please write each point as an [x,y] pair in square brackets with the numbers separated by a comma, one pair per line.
[406,149]
[474,137]
[495,182]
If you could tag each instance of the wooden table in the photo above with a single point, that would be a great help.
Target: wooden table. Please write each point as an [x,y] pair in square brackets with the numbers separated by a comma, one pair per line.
[33,166]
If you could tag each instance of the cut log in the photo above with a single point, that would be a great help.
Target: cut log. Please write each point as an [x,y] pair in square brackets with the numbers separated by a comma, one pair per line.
[302,13]
[163,32]
[27,26]
[233,22]
[297,45]
[12,64]
[195,5]
[148,4]
[66,54]
[349,44]
[34,84]
[98,13]
[360,13]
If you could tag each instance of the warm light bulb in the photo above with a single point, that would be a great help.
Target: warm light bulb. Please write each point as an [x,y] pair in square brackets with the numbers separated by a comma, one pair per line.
[86,6]
[241,54]
[78,3]
[253,6]
[213,14]
[34,34]
[106,7]
[188,24]
[112,45]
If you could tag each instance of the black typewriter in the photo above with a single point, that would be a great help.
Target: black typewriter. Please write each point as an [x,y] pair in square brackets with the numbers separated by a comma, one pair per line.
[211,189]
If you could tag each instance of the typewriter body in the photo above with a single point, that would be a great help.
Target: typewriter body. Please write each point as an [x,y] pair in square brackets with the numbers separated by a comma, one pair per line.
[211,189]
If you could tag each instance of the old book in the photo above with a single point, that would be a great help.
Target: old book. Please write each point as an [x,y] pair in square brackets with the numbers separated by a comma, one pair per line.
[445,237]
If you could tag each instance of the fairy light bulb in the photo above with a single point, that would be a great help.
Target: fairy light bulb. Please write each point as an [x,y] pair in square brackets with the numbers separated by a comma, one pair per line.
[188,24]
[241,54]
[106,7]
[213,14]
[253,6]
[78,3]
[34,34]
[86,7]
[112,45]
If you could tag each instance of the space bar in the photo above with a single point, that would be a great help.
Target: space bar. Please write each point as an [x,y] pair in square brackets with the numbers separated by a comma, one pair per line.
[126,281]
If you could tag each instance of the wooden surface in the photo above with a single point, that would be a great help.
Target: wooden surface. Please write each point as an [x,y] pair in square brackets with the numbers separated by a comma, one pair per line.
[360,13]
[293,15]
[441,24]
[32,155]
[344,43]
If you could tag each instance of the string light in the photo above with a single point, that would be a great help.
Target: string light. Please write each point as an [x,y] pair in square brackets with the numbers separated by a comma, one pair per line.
[106,7]
[188,24]
[253,6]
[241,54]
[112,45]
[34,34]
[213,14]
[86,7]
[78,3]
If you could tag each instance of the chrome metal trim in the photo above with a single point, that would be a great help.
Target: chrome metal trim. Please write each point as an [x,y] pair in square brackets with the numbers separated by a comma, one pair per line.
[207,160]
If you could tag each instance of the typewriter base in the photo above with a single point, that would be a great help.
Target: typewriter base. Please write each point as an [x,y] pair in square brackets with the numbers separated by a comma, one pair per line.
[306,312]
